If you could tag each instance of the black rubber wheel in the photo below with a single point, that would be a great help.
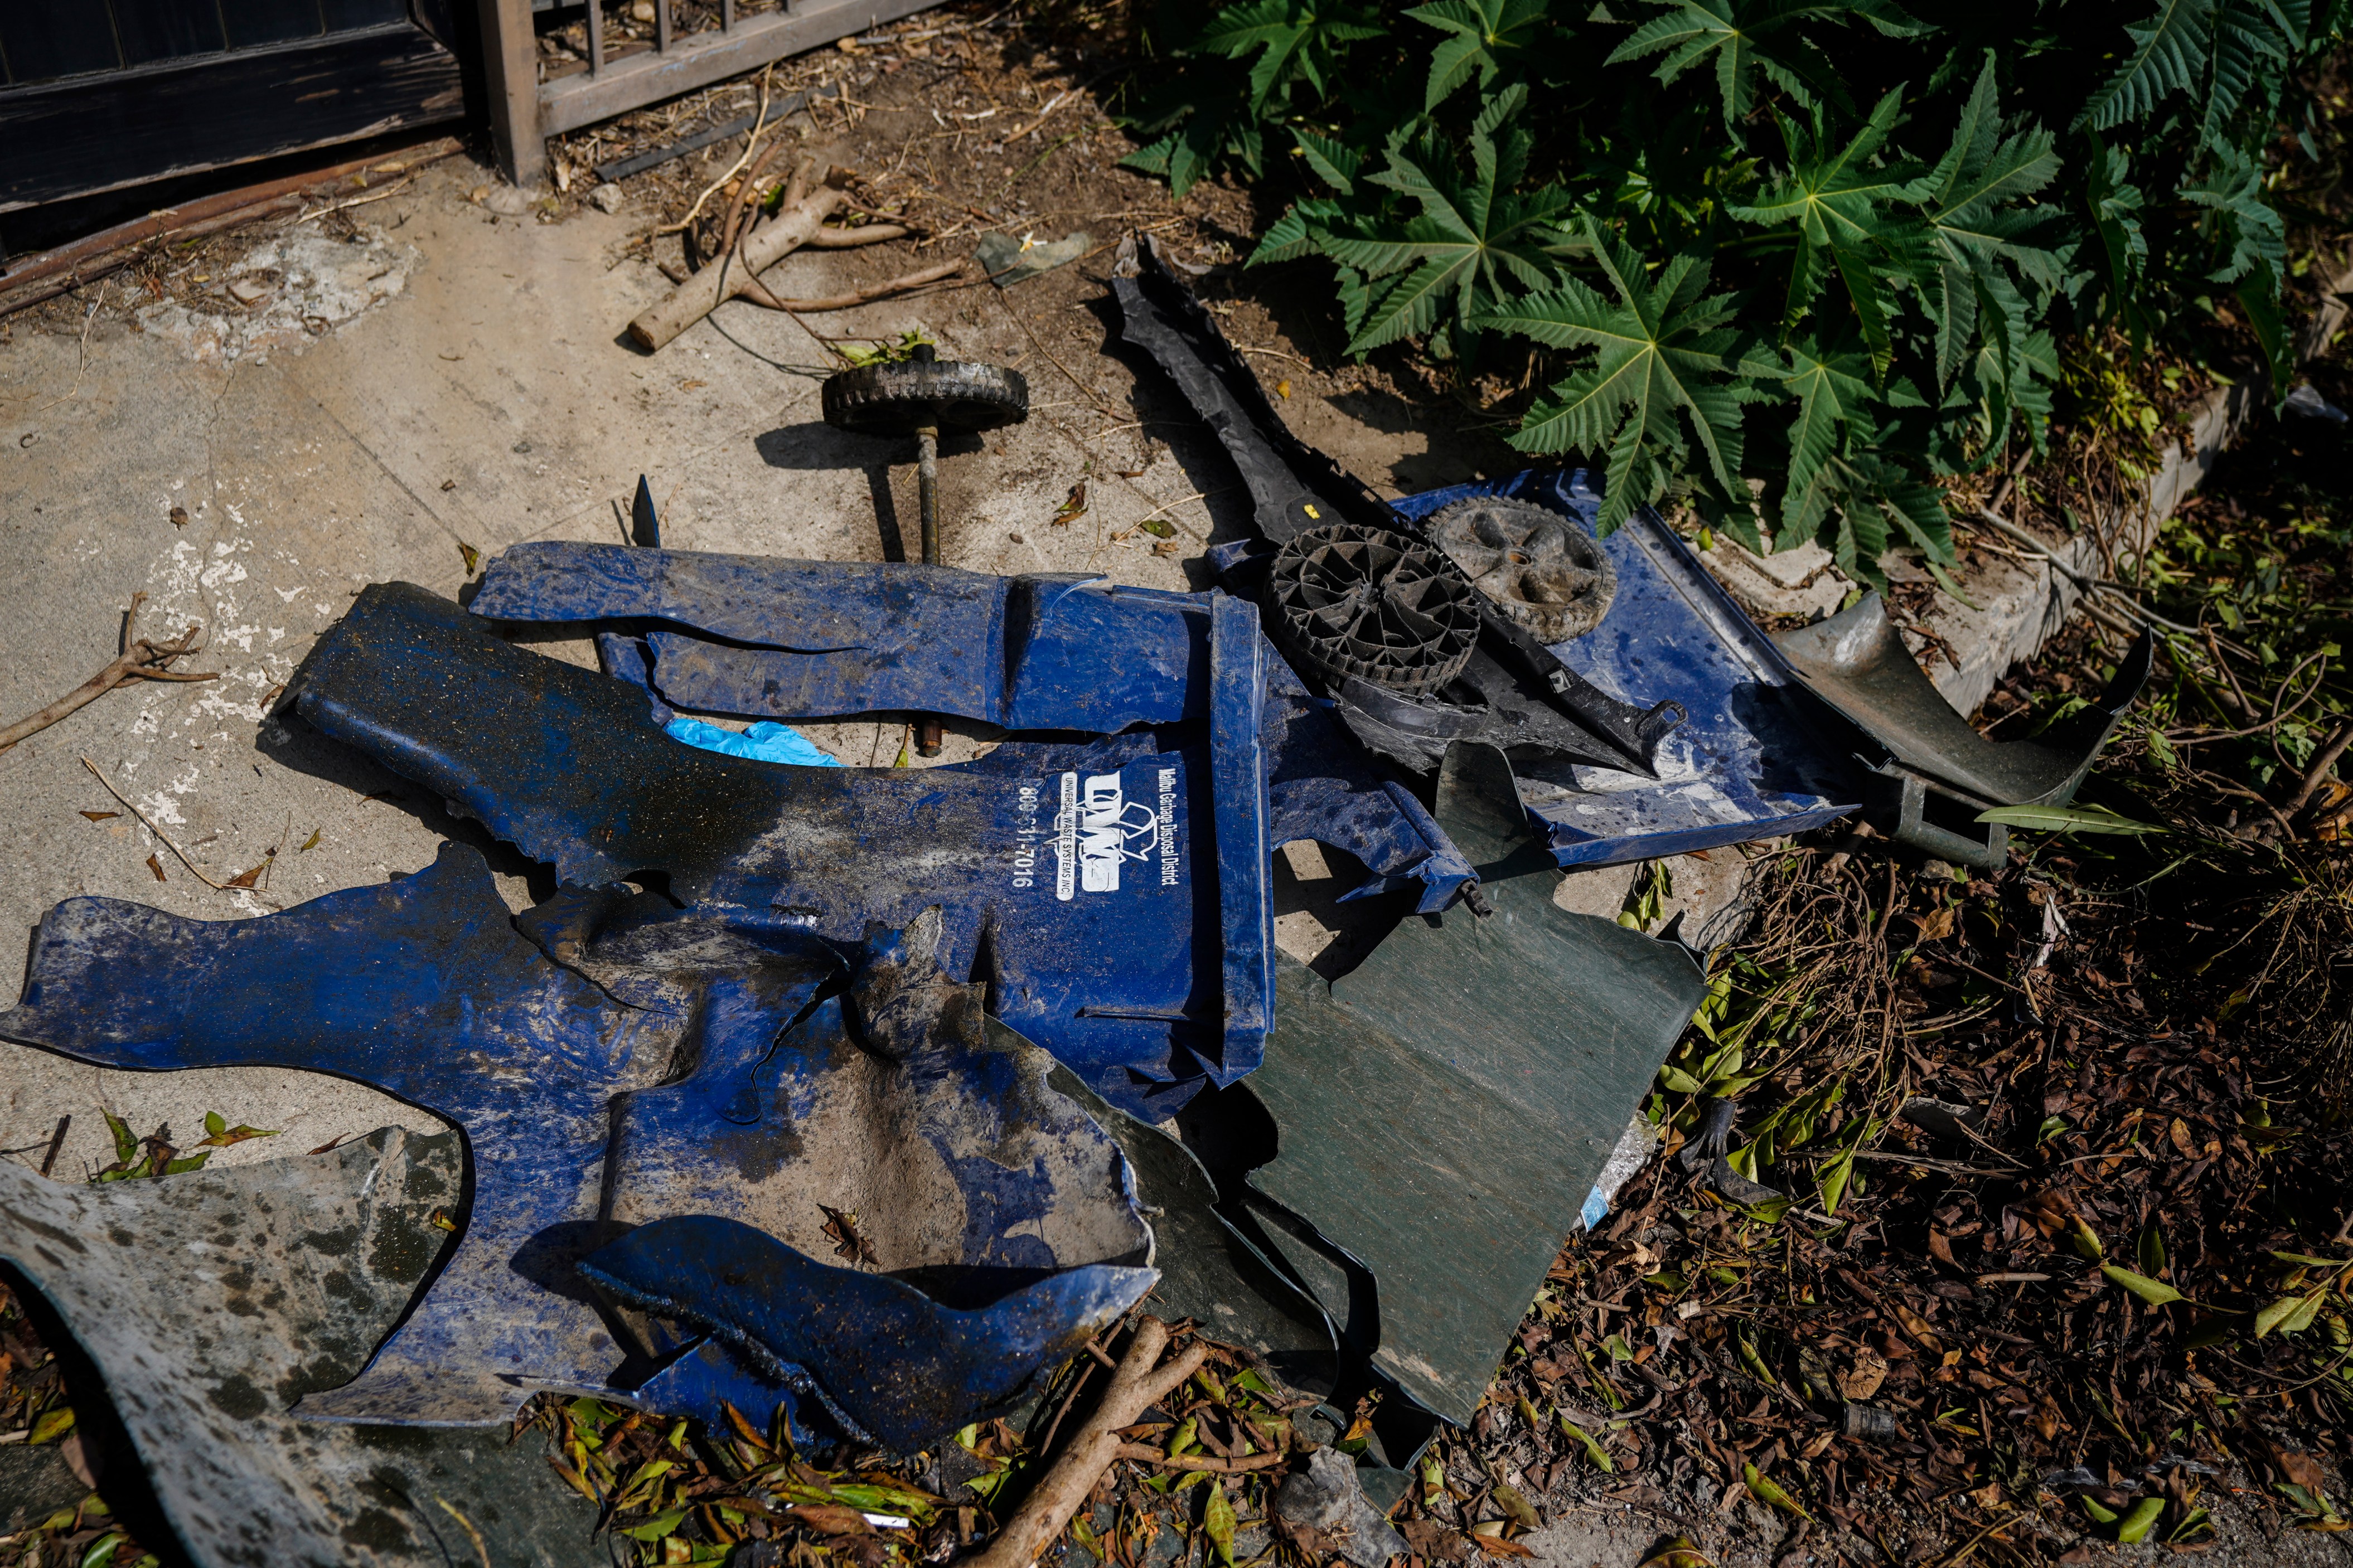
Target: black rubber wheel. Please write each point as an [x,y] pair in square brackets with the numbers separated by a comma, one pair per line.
[899,399]
[1542,570]
[1375,605]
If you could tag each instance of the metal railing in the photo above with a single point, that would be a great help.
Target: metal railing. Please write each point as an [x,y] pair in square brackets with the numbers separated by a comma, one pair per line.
[524,111]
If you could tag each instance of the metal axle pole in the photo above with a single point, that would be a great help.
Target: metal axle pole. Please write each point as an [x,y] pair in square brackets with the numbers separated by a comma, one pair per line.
[927,485]
[928,732]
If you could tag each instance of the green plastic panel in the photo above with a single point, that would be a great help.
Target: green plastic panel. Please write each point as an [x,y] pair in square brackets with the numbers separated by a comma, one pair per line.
[1445,1108]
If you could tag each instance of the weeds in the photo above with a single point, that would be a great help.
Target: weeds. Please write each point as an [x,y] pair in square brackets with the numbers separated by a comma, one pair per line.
[1802,267]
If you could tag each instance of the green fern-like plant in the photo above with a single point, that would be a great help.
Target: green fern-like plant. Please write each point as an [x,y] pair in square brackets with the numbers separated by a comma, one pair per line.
[1662,383]
[1798,262]
[1471,239]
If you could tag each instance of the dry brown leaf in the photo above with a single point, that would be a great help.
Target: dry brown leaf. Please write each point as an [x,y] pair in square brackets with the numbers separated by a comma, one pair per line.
[101,815]
[2179,1133]
[840,1228]
[1937,924]
[1870,1371]
[1940,1248]
[831,1518]
[157,867]
[1496,1546]
[1916,1326]
[2300,1469]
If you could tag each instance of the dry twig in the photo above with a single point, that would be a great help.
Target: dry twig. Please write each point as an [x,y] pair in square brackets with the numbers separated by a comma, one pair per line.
[1143,1380]
[139,660]
[194,869]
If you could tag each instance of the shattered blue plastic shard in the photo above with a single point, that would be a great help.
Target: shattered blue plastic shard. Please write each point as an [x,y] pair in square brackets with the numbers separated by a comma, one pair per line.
[808,639]
[815,639]
[893,1366]
[1082,884]
[422,987]
[1320,787]
[1746,764]
[900,1100]
[710,1376]
[547,1046]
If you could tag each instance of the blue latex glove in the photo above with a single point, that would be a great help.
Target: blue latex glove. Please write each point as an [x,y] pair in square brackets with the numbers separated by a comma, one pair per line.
[763,742]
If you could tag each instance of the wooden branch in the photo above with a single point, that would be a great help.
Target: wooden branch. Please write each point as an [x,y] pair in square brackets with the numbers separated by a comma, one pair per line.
[2327,759]
[744,209]
[882,290]
[147,822]
[1141,1381]
[849,239]
[1144,1456]
[706,290]
[139,660]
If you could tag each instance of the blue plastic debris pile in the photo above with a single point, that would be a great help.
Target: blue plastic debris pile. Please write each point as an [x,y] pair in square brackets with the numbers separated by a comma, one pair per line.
[860,1098]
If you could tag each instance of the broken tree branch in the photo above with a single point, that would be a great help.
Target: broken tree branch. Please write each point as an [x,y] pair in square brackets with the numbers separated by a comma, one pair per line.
[139,660]
[194,869]
[851,238]
[1141,1383]
[882,290]
[1144,1455]
[760,249]
[2327,759]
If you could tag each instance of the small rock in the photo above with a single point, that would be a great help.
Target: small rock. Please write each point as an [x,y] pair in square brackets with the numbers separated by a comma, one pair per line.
[246,291]
[1007,260]
[1016,539]
[642,11]
[2306,401]
[1327,1496]
[507,201]
[606,198]
[179,517]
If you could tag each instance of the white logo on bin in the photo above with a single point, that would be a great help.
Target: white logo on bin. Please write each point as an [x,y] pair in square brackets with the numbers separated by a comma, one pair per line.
[1096,830]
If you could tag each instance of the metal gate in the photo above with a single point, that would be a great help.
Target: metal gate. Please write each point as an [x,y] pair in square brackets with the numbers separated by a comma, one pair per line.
[100,94]
[524,109]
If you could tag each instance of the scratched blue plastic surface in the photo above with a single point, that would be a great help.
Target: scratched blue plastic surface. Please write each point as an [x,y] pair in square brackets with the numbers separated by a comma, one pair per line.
[894,1367]
[808,639]
[546,1038]
[1746,765]
[422,987]
[1081,882]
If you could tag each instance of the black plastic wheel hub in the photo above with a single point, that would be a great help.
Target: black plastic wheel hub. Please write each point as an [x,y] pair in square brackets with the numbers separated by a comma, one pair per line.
[1542,571]
[1374,605]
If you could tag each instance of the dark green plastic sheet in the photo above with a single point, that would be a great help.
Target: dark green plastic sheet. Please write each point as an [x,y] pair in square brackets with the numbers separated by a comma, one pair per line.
[1444,1109]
